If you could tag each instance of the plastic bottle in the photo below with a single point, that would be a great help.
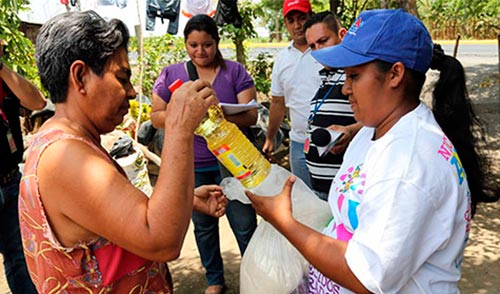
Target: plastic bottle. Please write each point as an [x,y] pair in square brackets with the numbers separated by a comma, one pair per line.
[231,147]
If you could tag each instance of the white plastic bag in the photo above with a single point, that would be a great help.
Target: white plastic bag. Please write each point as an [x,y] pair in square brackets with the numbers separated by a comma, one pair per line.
[135,166]
[134,162]
[270,263]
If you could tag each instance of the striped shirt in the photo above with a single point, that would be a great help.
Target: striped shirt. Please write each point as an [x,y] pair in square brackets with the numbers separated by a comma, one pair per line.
[328,107]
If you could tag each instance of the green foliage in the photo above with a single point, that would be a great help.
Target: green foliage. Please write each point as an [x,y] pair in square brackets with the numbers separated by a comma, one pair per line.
[19,49]
[158,53]
[272,14]
[248,11]
[135,110]
[445,19]
[478,19]
[260,69]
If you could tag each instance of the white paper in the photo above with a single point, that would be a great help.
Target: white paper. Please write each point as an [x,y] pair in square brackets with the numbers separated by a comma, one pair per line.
[335,137]
[229,108]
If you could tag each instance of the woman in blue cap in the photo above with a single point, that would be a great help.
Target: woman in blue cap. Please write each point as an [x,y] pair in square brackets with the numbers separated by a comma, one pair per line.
[401,201]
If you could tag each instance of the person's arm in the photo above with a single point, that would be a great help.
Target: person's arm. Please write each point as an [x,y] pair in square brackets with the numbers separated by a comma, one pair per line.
[79,186]
[348,133]
[323,252]
[158,112]
[23,89]
[245,118]
[277,111]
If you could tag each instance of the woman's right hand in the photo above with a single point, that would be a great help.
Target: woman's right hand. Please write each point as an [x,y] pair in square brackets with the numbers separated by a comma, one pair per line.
[188,105]
[210,200]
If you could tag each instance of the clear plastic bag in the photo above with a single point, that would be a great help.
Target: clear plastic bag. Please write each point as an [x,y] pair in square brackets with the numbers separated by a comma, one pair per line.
[270,263]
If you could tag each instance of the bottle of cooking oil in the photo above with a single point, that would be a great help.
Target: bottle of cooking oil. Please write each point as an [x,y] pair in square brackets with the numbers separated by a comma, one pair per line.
[233,149]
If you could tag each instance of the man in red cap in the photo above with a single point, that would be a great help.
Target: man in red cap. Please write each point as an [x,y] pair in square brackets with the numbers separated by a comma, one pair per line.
[295,80]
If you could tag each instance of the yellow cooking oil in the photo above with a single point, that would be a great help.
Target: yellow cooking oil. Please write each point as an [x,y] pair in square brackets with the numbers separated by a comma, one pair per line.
[233,149]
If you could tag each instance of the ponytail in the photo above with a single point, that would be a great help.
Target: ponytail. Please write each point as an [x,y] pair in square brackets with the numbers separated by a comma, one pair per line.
[454,113]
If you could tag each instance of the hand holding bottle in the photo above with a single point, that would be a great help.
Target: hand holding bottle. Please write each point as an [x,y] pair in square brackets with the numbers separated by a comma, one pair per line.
[189,104]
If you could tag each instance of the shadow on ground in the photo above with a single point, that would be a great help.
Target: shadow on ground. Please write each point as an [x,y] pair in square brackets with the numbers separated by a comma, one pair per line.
[191,280]
[481,263]
[482,256]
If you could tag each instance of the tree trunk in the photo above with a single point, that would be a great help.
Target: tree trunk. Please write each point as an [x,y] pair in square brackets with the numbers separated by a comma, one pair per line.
[334,5]
[240,52]
[408,5]
[277,27]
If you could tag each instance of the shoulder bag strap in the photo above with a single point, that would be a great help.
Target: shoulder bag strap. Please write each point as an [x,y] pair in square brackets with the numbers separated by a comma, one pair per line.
[193,74]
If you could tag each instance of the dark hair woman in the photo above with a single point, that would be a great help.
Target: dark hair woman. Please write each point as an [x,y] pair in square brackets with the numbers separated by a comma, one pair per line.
[405,194]
[232,84]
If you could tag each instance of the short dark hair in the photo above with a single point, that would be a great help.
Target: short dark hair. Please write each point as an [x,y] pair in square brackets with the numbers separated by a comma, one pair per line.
[72,36]
[331,20]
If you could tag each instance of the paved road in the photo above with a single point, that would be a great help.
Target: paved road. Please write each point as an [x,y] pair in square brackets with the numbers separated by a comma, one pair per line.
[466,49]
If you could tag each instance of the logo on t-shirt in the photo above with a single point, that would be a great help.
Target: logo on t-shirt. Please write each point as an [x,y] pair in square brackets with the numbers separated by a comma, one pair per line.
[448,152]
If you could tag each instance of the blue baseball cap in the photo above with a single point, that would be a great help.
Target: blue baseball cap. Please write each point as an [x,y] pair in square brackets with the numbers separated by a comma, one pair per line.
[389,35]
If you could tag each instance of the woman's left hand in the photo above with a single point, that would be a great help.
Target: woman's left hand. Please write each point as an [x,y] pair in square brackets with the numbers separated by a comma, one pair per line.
[348,133]
[210,199]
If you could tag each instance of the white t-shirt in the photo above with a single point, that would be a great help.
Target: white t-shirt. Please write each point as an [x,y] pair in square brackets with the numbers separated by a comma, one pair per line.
[295,76]
[403,204]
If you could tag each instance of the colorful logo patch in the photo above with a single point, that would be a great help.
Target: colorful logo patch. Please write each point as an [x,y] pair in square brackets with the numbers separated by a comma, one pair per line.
[355,27]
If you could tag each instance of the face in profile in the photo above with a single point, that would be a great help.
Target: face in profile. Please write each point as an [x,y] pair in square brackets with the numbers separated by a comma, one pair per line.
[201,48]
[110,93]
[365,86]
[294,22]
[320,36]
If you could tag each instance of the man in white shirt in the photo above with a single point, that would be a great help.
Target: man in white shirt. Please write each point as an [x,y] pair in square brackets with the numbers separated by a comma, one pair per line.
[295,80]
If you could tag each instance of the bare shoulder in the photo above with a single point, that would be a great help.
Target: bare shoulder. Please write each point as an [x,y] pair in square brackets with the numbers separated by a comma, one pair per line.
[64,168]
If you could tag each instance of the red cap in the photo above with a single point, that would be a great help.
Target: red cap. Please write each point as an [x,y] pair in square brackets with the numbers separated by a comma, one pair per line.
[299,5]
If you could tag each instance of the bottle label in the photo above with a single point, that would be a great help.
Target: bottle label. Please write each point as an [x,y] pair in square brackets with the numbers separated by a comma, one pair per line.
[231,162]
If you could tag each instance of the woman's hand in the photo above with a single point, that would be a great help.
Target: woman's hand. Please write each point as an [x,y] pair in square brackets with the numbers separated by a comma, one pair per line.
[210,199]
[188,105]
[348,133]
[277,209]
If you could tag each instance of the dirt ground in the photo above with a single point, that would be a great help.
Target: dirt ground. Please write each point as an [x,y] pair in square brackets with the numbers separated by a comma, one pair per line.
[481,266]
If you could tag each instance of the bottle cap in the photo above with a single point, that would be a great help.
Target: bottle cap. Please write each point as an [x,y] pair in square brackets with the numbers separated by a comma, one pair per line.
[175,85]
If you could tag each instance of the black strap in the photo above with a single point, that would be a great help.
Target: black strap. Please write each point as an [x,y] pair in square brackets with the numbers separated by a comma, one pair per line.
[193,74]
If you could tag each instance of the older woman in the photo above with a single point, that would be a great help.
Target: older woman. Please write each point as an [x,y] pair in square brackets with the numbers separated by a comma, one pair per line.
[85,228]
